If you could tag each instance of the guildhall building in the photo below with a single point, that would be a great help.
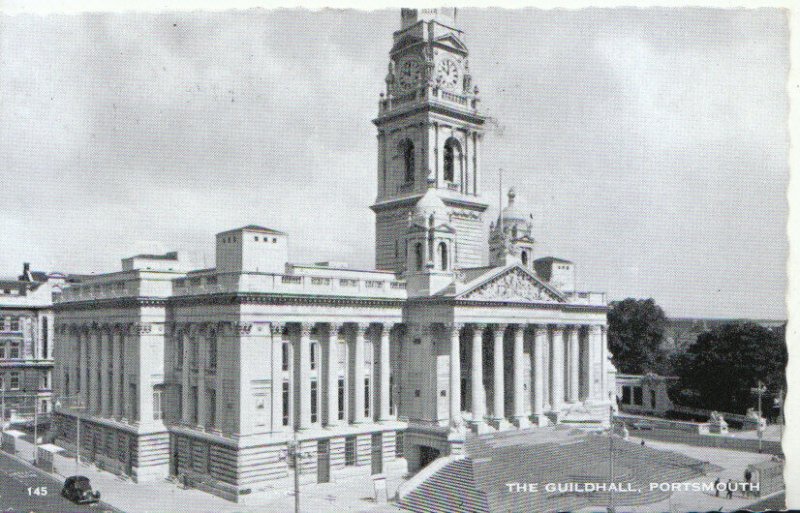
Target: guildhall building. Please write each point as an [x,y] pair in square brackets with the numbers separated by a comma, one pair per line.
[209,374]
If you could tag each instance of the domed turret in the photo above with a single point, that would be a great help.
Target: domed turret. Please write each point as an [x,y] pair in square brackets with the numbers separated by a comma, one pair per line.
[510,237]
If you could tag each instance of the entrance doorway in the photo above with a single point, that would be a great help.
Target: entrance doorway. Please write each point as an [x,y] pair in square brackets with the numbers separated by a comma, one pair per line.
[427,455]
[377,453]
[323,461]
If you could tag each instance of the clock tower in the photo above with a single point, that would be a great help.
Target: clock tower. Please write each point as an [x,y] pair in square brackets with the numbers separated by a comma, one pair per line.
[429,137]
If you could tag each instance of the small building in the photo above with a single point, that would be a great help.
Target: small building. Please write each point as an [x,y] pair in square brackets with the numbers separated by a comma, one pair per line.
[26,343]
[644,393]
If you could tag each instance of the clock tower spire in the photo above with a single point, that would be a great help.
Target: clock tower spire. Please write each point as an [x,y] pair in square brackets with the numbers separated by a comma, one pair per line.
[429,137]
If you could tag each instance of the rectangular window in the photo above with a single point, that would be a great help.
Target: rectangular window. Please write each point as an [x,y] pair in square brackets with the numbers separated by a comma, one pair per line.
[195,347]
[179,400]
[3,350]
[66,382]
[313,402]
[212,353]
[626,395]
[350,451]
[194,406]
[285,356]
[15,324]
[313,356]
[399,448]
[179,351]
[45,340]
[134,404]
[14,351]
[391,395]
[285,403]
[637,396]
[341,398]
[211,410]
[366,397]
[13,381]
[157,411]
[653,399]
[2,323]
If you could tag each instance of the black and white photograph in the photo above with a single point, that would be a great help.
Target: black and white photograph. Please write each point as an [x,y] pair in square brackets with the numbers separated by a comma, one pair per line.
[478,259]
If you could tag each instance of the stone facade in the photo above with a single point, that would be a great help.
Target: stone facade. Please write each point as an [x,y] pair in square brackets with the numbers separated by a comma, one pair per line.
[210,375]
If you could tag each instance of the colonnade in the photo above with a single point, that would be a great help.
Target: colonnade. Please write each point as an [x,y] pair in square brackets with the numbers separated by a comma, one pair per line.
[562,359]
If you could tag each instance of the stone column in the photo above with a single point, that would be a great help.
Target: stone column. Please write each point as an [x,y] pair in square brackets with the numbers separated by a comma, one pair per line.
[96,370]
[593,379]
[276,354]
[384,373]
[558,367]
[303,351]
[574,363]
[114,356]
[455,374]
[83,367]
[201,377]
[105,391]
[478,392]
[604,385]
[520,419]
[499,413]
[332,375]
[358,374]
[539,341]
[185,373]
[123,369]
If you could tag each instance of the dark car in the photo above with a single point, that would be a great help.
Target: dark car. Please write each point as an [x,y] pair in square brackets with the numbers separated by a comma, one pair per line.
[78,489]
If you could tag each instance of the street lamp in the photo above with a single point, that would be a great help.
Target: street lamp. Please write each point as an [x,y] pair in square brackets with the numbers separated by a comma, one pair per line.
[760,389]
[779,406]
[74,403]
[611,451]
[293,455]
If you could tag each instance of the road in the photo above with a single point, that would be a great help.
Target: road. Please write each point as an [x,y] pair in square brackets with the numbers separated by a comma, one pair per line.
[17,478]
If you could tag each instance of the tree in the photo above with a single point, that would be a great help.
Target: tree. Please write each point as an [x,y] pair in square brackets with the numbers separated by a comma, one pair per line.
[636,330]
[718,371]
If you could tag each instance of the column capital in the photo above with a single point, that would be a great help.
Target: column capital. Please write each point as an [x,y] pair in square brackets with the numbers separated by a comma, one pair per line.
[558,326]
[499,327]
[306,328]
[335,327]
[361,328]
[277,328]
[477,326]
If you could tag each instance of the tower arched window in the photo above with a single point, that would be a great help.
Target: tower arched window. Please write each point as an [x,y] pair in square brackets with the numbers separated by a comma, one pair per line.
[452,159]
[524,258]
[443,256]
[406,150]
[418,256]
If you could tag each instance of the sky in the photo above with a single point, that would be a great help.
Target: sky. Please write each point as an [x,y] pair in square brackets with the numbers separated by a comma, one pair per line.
[649,144]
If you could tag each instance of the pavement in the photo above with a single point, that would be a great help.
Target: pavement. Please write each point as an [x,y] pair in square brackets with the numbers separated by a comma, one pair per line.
[733,465]
[346,495]
[24,488]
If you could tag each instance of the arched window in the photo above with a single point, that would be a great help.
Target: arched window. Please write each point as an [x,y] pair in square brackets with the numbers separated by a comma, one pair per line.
[418,255]
[443,255]
[406,150]
[452,159]
[524,258]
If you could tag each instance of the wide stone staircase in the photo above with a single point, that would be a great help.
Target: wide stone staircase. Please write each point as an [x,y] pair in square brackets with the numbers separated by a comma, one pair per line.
[559,455]
[450,489]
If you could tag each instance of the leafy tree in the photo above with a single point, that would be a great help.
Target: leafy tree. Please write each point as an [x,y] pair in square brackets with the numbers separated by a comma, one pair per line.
[718,371]
[636,330]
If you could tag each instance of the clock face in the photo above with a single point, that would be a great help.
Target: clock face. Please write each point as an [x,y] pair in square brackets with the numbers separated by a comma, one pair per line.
[409,71]
[447,73]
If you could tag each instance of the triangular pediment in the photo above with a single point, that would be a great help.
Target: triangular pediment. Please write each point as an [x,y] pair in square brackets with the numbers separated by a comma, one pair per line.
[515,284]
[452,41]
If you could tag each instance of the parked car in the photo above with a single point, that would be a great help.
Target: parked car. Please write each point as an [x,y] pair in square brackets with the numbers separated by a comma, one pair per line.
[642,425]
[78,489]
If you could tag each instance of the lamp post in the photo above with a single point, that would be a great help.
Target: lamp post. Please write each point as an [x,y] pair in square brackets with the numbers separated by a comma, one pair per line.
[293,455]
[75,404]
[611,452]
[781,418]
[759,390]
